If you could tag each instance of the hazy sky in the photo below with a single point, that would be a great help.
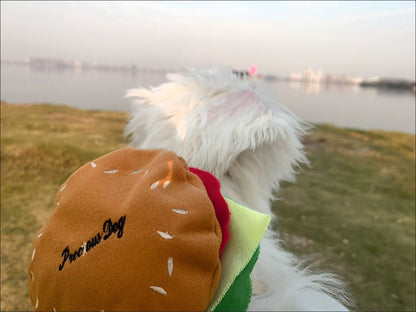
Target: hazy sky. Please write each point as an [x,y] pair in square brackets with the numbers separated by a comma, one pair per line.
[358,38]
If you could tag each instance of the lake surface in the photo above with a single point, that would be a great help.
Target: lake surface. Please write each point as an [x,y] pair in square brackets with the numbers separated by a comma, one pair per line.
[348,106]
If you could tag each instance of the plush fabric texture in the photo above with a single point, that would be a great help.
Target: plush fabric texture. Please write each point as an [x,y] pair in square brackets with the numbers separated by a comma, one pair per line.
[247,228]
[212,185]
[238,296]
[132,230]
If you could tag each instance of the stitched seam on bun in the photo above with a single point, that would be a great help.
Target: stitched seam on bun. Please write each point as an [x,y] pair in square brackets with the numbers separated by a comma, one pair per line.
[215,279]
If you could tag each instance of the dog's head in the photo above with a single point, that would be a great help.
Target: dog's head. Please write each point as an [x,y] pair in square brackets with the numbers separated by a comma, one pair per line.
[223,123]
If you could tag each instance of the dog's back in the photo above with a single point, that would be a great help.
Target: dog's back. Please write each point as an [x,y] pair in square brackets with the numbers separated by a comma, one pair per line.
[229,125]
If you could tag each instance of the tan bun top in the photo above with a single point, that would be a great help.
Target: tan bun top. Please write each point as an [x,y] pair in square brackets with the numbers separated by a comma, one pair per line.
[132,230]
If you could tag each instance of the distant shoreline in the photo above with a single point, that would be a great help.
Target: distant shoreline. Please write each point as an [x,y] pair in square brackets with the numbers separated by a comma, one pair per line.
[59,65]
[383,83]
[308,77]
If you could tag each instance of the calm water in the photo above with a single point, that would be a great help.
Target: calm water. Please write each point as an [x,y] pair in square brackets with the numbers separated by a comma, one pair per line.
[353,107]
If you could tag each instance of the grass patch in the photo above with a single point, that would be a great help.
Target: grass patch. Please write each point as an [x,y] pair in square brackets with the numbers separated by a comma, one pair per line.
[41,145]
[354,207]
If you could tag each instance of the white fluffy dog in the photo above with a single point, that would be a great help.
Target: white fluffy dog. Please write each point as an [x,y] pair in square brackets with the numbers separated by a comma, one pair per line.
[228,125]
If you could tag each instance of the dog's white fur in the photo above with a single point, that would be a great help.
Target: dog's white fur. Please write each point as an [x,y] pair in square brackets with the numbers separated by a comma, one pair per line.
[231,127]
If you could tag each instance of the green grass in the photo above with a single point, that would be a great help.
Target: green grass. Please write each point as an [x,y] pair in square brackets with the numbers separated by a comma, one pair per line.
[41,145]
[354,208]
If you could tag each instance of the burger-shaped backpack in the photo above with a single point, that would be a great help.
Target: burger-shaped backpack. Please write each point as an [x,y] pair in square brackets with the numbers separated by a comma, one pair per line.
[138,230]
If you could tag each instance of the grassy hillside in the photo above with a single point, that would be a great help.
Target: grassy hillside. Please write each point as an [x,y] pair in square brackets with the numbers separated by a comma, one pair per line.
[353,208]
